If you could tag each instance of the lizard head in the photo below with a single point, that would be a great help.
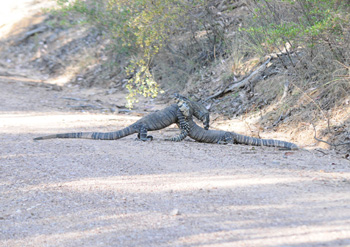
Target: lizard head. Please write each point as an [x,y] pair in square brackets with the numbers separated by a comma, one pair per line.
[184,108]
[179,97]
[183,104]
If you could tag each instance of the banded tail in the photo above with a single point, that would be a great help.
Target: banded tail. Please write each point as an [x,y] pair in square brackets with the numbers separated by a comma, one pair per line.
[92,135]
[247,140]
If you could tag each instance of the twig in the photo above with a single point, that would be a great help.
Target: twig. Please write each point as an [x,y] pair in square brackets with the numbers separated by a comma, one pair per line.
[285,91]
[330,144]
[281,118]
[76,99]
[30,33]
[321,151]
[91,106]
[241,83]
[315,103]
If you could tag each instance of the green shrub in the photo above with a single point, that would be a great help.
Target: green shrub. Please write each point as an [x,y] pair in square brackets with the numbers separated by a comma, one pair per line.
[283,24]
[140,28]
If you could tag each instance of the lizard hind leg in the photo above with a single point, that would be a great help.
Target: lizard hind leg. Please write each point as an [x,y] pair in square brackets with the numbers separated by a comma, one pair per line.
[142,135]
[226,139]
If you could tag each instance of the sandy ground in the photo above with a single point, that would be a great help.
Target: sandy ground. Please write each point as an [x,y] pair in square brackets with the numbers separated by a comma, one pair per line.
[128,193]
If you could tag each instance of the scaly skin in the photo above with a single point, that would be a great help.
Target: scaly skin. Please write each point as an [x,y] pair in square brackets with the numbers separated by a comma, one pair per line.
[154,121]
[198,110]
[221,137]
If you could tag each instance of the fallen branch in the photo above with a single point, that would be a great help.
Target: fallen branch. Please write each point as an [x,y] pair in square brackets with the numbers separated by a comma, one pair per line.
[330,144]
[30,33]
[252,78]
[76,99]
[87,106]
[281,118]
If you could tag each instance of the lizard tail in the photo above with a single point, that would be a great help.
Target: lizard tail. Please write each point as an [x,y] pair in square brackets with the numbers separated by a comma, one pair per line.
[91,135]
[264,142]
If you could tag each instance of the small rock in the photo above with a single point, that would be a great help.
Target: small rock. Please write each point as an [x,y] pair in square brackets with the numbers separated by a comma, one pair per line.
[175,212]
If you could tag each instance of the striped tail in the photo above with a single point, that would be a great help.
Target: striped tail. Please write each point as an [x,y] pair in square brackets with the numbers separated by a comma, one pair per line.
[92,135]
[182,124]
[247,140]
[179,137]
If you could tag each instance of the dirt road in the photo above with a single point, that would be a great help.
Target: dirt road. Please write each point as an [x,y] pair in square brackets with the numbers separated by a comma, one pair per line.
[129,193]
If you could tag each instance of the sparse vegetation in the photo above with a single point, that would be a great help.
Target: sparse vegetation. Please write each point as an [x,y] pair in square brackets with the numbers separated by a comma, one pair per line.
[202,47]
[140,29]
[174,39]
[313,36]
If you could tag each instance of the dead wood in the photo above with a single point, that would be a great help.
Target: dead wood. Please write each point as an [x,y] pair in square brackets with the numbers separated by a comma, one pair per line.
[254,77]
[30,33]
[329,143]
[281,118]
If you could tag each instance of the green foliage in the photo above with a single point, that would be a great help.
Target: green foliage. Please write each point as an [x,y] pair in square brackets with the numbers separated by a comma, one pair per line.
[141,83]
[311,39]
[139,28]
[306,23]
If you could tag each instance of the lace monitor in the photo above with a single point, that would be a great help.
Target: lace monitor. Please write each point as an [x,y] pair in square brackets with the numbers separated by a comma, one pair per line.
[217,136]
[154,121]
[198,109]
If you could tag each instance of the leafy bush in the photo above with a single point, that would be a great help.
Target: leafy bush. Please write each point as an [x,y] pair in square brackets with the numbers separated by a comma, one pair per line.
[139,28]
[288,24]
[312,41]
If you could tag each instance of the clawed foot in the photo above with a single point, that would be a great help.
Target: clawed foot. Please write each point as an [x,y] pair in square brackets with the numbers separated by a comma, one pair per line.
[148,138]
[185,126]
[222,142]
